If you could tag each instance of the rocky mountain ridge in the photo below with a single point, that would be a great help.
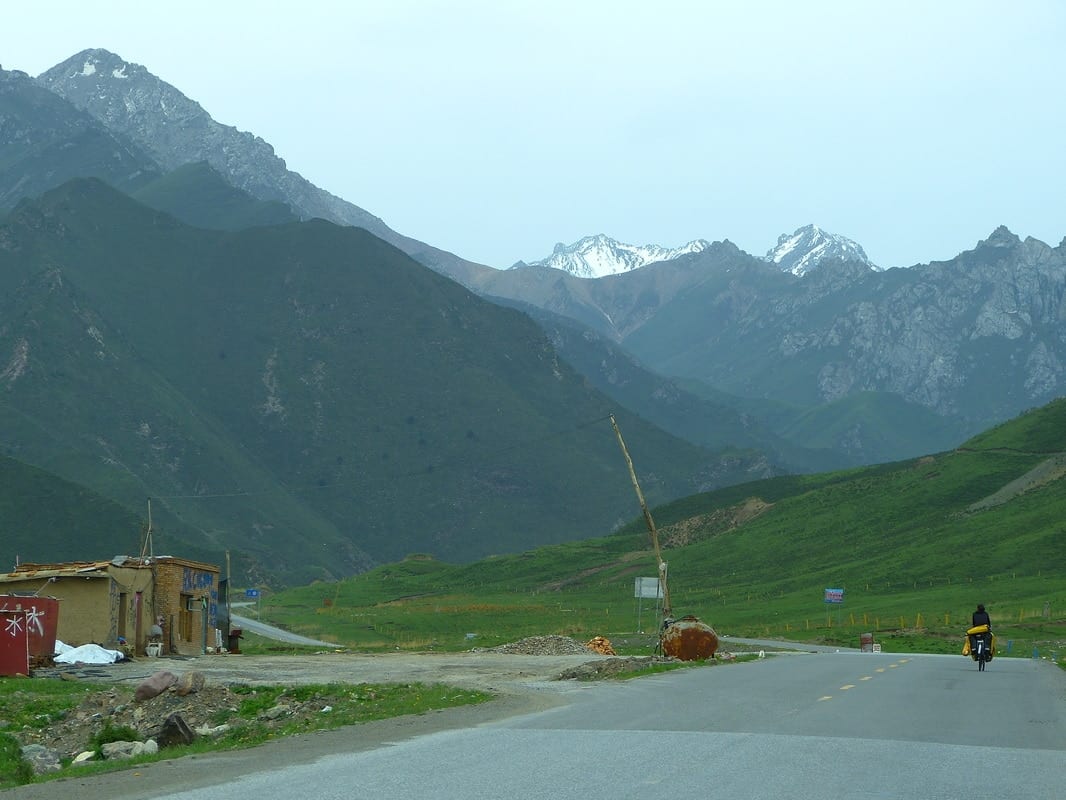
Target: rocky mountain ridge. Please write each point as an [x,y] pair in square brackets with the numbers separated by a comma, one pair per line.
[809,246]
[175,130]
[772,328]
[600,255]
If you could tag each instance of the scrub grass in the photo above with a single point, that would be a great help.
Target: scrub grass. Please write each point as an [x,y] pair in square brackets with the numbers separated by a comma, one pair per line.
[38,703]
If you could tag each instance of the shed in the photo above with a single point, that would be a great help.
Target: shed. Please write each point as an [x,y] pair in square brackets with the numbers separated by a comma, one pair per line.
[102,602]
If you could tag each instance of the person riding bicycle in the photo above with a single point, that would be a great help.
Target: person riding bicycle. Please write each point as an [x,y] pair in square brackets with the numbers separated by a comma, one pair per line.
[980,617]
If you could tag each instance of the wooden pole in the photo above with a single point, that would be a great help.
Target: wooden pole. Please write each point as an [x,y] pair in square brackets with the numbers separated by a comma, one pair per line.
[647,519]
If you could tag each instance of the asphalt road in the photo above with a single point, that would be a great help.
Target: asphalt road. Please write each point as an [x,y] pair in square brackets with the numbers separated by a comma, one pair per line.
[278,634]
[843,725]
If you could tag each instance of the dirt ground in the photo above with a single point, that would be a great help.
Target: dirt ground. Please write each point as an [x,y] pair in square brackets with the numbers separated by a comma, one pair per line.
[525,676]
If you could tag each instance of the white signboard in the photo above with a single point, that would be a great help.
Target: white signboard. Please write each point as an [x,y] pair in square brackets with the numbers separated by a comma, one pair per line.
[648,587]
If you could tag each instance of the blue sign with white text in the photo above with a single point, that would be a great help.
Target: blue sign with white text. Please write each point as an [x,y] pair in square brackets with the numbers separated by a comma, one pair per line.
[251,593]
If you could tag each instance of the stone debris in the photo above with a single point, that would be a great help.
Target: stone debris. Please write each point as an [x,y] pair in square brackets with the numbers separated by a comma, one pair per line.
[541,646]
[610,667]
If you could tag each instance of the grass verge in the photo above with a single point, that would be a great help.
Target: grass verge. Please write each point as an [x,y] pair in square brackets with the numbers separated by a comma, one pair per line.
[36,704]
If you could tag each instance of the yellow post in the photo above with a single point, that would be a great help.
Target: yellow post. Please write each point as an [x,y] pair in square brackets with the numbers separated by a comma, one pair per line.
[902,623]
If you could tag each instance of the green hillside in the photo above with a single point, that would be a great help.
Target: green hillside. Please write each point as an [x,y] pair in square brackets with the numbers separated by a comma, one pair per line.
[304,395]
[54,519]
[197,195]
[915,545]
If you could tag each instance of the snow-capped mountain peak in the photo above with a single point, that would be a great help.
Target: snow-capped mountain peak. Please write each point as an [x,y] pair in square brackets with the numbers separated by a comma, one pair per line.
[802,251]
[600,255]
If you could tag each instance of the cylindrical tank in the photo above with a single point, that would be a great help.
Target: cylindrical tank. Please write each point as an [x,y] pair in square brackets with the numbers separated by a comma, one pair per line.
[688,639]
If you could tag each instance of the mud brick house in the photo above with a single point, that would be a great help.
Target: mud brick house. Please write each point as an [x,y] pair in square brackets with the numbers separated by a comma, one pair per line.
[105,601]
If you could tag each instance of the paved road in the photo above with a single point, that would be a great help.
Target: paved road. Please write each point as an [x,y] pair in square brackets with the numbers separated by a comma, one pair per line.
[844,725]
[277,634]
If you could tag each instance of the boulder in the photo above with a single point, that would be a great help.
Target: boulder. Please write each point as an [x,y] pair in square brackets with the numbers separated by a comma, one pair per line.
[154,685]
[41,758]
[174,731]
[189,683]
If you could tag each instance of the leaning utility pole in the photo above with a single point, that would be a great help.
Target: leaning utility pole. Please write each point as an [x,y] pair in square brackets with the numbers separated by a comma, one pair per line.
[647,519]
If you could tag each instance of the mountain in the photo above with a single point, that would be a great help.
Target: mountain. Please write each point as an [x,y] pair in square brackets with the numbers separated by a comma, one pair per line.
[963,344]
[44,514]
[597,256]
[730,425]
[718,322]
[976,339]
[809,246]
[303,394]
[174,130]
[197,195]
[45,142]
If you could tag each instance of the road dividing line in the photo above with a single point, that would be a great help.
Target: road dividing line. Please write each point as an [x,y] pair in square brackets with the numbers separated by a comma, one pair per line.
[866,678]
[825,697]
[847,686]
[879,669]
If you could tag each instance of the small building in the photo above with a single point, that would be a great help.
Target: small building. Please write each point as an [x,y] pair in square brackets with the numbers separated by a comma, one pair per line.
[103,602]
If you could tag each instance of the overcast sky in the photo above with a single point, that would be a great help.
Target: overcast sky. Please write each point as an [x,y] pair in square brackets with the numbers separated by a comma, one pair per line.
[495,129]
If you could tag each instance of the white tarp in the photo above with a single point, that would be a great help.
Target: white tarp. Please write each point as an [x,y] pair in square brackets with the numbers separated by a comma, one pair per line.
[86,654]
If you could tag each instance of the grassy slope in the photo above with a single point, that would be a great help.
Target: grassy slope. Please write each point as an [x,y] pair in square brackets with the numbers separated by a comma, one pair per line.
[898,538]
[303,393]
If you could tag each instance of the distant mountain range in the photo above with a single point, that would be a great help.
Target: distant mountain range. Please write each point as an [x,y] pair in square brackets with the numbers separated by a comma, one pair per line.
[599,256]
[227,340]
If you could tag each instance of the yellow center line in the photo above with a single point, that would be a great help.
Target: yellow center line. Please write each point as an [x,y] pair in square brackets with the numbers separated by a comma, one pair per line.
[893,666]
[826,697]
[879,669]
[867,678]
[847,686]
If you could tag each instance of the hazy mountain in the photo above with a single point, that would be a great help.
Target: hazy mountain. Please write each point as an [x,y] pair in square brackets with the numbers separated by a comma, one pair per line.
[45,142]
[175,131]
[197,195]
[971,341]
[597,256]
[809,246]
[305,395]
[773,334]
[975,339]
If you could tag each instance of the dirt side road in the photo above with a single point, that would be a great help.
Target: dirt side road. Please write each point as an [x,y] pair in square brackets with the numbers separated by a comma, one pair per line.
[496,672]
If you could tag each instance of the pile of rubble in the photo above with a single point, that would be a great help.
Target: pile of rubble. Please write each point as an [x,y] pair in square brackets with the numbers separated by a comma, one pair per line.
[165,710]
[541,646]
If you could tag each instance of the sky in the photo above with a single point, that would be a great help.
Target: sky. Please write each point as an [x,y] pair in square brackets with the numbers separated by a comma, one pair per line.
[495,129]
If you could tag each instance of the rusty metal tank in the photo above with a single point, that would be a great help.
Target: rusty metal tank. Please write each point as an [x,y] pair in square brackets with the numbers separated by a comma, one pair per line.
[688,639]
